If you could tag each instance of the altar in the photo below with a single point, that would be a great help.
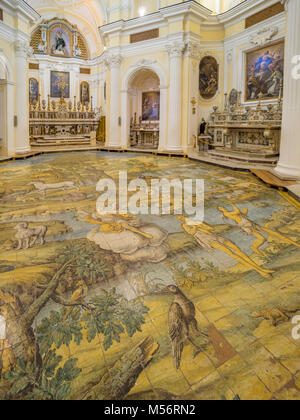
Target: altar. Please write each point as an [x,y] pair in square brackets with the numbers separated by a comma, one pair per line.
[62,123]
[144,134]
[245,133]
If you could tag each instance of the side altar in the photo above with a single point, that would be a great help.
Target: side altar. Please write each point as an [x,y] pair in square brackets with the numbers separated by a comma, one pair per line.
[243,133]
[144,134]
[63,123]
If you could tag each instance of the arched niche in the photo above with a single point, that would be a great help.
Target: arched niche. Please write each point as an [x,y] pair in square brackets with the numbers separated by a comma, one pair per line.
[139,81]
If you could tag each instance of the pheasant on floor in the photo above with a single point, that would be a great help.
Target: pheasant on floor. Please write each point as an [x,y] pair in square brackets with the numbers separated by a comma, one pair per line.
[181,321]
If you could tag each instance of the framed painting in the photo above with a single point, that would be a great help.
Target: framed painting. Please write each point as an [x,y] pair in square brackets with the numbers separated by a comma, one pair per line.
[60,40]
[33,91]
[60,84]
[84,93]
[264,72]
[209,77]
[150,106]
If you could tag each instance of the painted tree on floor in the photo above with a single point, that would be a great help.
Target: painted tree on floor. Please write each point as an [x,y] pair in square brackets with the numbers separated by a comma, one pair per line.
[37,372]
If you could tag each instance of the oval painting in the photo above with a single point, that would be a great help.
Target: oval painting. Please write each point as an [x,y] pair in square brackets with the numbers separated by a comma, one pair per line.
[209,77]
[33,91]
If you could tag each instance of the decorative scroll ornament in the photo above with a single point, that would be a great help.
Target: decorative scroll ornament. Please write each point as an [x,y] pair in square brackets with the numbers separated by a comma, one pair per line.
[263,36]
[144,63]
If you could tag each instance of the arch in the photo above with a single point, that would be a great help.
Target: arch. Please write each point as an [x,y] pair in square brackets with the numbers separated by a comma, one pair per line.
[155,68]
[130,75]
[6,106]
[6,67]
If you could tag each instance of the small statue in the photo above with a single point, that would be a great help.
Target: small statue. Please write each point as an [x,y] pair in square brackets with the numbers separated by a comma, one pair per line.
[203,127]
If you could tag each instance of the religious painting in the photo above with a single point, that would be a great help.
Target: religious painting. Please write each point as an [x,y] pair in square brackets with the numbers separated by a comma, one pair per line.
[33,91]
[151,106]
[233,97]
[84,93]
[60,84]
[60,41]
[264,72]
[209,77]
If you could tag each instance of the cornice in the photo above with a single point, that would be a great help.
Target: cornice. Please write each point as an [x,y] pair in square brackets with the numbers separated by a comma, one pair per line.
[244,36]
[21,9]
[162,17]
[11,34]
[187,10]
[243,10]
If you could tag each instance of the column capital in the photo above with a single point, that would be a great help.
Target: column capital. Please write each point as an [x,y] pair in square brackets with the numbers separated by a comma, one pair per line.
[113,61]
[176,48]
[192,50]
[285,3]
[288,3]
[22,49]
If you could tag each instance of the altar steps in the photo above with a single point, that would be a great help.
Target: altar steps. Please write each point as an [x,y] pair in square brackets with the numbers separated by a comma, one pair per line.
[250,158]
[60,141]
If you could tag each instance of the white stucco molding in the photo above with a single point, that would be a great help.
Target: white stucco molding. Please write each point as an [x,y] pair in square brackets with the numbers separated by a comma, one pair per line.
[155,67]
[244,10]
[263,36]
[245,36]
[4,60]
[11,35]
[187,9]
[180,11]
[21,9]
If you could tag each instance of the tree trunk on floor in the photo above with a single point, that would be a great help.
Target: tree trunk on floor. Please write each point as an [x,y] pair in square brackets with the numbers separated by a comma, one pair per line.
[19,331]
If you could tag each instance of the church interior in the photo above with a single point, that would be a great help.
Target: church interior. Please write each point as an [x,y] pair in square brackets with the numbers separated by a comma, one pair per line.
[145,305]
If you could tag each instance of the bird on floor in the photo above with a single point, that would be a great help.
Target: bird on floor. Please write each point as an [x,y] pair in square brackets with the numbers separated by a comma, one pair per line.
[79,294]
[181,322]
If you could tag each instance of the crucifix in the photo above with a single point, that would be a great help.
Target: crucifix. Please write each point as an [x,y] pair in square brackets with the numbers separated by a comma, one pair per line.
[62,85]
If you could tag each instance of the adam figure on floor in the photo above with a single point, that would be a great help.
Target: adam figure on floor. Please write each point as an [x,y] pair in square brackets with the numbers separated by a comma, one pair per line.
[253,229]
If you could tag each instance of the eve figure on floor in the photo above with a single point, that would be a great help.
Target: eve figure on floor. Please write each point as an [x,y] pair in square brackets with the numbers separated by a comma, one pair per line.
[209,240]
[253,229]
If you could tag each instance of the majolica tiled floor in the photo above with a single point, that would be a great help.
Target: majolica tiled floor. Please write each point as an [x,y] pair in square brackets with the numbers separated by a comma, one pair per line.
[90,313]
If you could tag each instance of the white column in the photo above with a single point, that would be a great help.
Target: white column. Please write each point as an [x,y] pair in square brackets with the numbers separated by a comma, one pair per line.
[193,54]
[125,119]
[289,163]
[22,108]
[163,117]
[3,118]
[114,109]
[7,132]
[175,97]
[10,130]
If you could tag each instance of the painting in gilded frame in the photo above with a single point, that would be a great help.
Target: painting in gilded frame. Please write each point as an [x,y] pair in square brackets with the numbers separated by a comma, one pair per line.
[60,40]
[264,72]
[60,84]
[84,93]
[33,91]
[151,106]
[209,77]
